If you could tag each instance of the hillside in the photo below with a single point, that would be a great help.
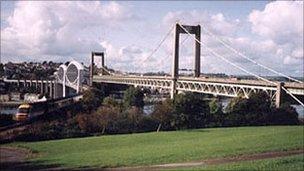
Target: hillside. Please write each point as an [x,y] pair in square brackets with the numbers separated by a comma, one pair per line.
[165,147]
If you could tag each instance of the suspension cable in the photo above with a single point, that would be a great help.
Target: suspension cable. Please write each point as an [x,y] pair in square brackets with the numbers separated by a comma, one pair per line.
[228,61]
[171,53]
[293,96]
[246,57]
[160,43]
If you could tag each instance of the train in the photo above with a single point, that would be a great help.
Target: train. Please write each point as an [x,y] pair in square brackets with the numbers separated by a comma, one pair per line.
[27,111]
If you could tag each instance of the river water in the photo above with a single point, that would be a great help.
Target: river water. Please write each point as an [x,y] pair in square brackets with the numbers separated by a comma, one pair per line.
[8,111]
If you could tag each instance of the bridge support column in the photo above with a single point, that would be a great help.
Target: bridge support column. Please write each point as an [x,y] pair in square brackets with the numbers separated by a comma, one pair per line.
[79,83]
[55,89]
[175,52]
[51,90]
[279,95]
[63,88]
[41,87]
[46,86]
[92,69]
[173,91]
[197,56]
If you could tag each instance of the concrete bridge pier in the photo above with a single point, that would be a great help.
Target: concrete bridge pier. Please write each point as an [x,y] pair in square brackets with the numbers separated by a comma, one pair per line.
[51,89]
[47,86]
[173,90]
[41,87]
[18,83]
[36,84]
[280,93]
[25,83]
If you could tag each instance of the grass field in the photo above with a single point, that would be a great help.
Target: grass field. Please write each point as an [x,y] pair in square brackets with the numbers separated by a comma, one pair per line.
[165,147]
[291,163]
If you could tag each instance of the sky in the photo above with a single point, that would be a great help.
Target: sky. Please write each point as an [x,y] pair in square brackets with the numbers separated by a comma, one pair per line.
[269,32]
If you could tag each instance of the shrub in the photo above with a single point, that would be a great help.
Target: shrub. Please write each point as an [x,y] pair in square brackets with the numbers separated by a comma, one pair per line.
[257,110]
[133,97]
[285,115]
[163,114]
[92,99]
[190,110]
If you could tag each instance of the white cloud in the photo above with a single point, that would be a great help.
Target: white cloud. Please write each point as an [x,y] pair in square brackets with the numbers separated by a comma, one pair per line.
[279,19]
[45,30]
[291,61]
[215,22]
[298,53]
[282,22]
[62,28]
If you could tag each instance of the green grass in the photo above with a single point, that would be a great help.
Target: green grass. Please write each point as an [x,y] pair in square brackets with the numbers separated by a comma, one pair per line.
[166,147]
[291,163]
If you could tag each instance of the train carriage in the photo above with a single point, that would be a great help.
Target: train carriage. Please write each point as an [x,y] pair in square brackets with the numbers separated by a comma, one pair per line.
[27,111]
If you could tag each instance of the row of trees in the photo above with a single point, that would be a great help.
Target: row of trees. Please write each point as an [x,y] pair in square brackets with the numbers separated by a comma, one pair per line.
[186,111]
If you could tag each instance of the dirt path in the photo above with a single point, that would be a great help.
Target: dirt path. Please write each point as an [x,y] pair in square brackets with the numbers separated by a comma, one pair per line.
[247,157]
[15,159]
[8,154]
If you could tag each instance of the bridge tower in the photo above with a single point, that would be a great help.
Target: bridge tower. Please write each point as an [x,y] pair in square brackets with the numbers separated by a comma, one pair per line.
[196,30]
[101,55]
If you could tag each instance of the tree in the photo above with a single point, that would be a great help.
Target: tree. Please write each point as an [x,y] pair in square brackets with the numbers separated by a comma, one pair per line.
[106,115]
[110,102]
[163,113]
[285,115]
[92,99]
[190,110]
[133,97]
[216,115]
[134,116]
[252,111]
[67,63]
[215,106]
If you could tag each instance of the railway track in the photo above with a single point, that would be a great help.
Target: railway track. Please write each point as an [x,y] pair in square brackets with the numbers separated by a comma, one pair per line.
[15,125]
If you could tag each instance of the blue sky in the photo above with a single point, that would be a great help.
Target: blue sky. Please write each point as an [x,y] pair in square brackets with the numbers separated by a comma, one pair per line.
[269,32]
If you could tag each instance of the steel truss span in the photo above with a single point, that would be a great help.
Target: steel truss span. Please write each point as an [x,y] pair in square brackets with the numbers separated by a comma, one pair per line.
[217,87]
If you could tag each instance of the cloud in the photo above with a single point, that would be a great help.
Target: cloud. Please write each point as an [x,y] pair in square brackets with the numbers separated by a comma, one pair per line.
[63,28]
[281,22]
[217,23]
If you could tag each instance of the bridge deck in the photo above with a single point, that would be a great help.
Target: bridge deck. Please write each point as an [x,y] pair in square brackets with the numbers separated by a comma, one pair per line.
[218,86]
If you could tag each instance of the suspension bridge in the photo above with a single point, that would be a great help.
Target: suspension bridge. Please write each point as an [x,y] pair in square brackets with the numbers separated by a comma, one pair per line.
[215,86]
[76,77]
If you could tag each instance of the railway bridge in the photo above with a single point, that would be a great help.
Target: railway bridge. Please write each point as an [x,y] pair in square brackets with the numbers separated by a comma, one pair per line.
[67,80]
